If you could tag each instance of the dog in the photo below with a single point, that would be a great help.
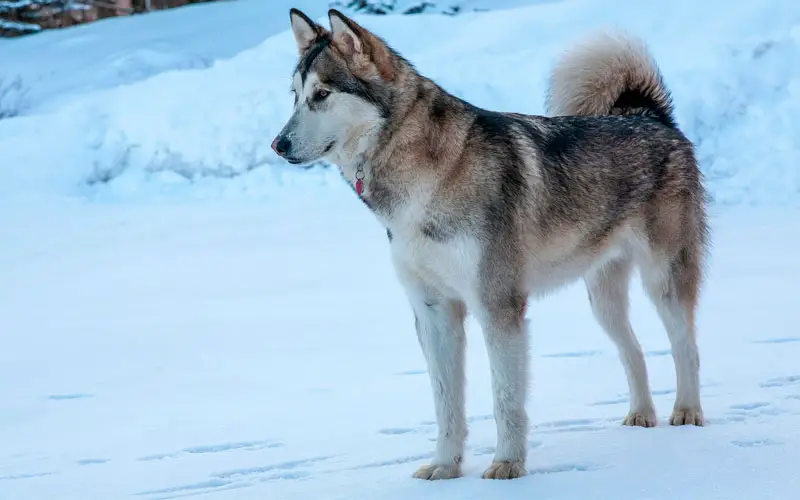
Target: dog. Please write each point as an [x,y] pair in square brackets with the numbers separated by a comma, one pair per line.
[484,210]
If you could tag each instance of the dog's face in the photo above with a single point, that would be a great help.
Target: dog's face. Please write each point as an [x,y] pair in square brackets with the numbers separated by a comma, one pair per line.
[340,92]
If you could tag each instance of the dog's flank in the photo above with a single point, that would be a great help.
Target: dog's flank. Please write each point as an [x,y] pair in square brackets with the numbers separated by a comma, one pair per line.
[483,209]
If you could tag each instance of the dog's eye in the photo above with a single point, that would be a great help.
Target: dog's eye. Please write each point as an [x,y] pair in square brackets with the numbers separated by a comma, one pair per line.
[321,94]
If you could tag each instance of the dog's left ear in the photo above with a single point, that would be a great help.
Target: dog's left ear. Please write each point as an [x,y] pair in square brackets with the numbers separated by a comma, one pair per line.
[360,46]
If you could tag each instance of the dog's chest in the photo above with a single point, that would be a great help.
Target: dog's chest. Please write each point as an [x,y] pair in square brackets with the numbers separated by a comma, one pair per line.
[450,268]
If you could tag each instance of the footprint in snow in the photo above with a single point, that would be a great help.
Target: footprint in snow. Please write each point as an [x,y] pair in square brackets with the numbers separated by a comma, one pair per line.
[237,478]
[15,477]
[412,372]
[778,340]
[215,448]
[93,461]
[576,354]
[756,443]
[398,430]
[608,402]
[553,469]
[66,397]
[781,381]
[749,406]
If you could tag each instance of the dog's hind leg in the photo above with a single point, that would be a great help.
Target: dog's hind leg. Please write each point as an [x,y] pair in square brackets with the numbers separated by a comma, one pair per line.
[608,295]
[672,285]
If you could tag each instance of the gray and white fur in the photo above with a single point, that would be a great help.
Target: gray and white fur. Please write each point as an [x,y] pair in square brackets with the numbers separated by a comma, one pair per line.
[485,209]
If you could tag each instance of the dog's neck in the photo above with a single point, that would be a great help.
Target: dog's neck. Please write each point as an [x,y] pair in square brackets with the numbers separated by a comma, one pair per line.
[351,157]
[376,193]
[374,154]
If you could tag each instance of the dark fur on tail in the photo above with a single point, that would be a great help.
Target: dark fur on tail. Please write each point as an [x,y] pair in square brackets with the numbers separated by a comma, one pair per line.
[609,74]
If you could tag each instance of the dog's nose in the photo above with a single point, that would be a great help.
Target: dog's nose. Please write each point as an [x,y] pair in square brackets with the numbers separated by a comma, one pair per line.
[281,145]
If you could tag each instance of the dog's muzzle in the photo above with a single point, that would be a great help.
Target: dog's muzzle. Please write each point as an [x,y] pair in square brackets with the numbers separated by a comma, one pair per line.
[281,146]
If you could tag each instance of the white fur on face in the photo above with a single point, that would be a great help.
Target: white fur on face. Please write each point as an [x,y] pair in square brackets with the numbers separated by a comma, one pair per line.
[337,128]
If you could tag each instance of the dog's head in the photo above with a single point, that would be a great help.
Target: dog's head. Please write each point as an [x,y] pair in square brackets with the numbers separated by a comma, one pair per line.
[341,86]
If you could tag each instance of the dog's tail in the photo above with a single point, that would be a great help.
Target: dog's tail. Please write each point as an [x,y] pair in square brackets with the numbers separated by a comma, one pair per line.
[609,74]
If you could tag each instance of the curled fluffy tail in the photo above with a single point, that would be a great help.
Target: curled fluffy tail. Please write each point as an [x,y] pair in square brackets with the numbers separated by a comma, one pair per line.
[609,74]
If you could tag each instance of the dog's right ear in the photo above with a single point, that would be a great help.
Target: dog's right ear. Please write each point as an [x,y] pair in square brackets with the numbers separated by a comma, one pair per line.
[306,32]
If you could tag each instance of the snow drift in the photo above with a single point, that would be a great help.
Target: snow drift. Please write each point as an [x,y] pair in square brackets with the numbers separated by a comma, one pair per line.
[206,131]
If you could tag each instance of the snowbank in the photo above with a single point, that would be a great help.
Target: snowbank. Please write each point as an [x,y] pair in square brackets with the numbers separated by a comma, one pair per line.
[117,51]
[58,64]
[735,74]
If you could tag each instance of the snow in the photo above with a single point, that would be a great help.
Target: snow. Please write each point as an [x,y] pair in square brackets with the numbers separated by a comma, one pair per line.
[94,56]
[205,133]
[238,351]
[182,314]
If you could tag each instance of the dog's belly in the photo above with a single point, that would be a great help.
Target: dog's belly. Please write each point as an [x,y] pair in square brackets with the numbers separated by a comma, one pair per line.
[563,262]
[547,277]
[452,269]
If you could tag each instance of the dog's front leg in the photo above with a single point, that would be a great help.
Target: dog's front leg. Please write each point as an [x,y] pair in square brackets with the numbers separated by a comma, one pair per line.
[504,327]
[440,330]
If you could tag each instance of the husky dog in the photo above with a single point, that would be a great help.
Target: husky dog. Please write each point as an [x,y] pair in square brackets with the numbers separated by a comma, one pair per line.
[484,209]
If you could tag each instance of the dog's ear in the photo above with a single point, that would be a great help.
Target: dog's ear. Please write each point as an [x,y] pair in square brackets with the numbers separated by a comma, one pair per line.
[360,46]
[306,32]
[347,35]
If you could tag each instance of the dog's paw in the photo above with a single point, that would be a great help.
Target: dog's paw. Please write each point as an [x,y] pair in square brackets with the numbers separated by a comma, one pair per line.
[687,416]
[432,472]
[640,419]
[505,470]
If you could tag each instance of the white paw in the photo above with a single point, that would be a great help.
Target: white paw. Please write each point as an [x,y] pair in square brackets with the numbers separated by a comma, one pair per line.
[505,470]
[640,419]
[433,472]
[687,416]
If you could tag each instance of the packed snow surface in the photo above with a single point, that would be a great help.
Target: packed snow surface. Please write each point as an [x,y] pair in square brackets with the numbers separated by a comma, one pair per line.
[182,314]
[238,351]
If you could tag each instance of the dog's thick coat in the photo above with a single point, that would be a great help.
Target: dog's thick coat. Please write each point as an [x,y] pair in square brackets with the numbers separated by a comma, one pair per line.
[484,209]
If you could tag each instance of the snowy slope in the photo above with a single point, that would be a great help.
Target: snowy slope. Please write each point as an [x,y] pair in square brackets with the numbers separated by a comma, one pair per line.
[120,51]
[182,315]
[207,132]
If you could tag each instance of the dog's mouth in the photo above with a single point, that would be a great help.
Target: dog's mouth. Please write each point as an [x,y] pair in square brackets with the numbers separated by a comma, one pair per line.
[298,161]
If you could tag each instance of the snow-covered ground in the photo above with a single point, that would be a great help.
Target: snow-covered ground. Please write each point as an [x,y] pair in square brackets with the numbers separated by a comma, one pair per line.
[182,314]
[237,351]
